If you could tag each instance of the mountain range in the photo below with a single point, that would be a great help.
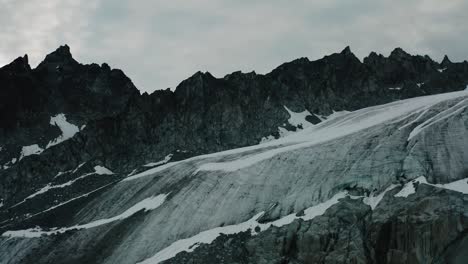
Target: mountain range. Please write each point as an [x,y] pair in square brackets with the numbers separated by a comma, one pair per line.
[336,160]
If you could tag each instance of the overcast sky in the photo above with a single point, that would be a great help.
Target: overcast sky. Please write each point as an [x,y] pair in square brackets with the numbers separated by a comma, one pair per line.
[159,43]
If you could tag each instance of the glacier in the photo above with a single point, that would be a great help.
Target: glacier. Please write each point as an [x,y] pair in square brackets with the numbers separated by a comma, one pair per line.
[372,156]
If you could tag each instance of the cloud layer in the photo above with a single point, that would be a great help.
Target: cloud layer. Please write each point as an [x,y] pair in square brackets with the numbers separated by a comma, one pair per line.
[160,43]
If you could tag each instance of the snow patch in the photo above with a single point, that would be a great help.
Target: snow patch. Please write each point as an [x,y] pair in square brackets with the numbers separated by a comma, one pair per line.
[208,236]
[442,69]
[147,204]
[68,129]
[458,186]
[161,162]
[30,150]
[102,170]
[298,119]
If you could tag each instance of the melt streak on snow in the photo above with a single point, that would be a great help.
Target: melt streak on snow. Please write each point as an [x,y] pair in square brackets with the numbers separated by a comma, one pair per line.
[68,129]
[147,204]
[208,236]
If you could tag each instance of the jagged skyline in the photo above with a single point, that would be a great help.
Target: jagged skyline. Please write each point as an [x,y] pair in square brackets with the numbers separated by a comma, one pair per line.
[159,44]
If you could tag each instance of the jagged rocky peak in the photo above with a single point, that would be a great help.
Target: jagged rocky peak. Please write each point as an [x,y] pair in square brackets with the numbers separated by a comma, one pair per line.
[345,57]
[20,64]
[196,85]
[399,53]
[446,61]
[373,58]
[347,51]
[238,75]
[60,59]
[105,67]
[197,79]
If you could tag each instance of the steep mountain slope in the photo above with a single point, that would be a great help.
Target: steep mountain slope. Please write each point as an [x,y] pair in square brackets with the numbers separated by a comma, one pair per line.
[346,163]
[77,142]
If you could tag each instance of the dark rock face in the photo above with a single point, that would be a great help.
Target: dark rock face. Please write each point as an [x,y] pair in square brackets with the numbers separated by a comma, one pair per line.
[121,129]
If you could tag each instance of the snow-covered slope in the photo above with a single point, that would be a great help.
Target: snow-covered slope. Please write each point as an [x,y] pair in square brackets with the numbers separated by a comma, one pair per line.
[365,157]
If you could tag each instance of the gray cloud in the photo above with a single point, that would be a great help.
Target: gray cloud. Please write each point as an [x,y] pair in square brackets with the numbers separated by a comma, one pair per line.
[159,43]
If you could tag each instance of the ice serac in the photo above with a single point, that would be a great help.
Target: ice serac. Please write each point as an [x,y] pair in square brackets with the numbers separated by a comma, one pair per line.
[382,178]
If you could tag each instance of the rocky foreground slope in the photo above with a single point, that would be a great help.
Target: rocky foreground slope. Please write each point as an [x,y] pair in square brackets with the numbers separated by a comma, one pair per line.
[93,172]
